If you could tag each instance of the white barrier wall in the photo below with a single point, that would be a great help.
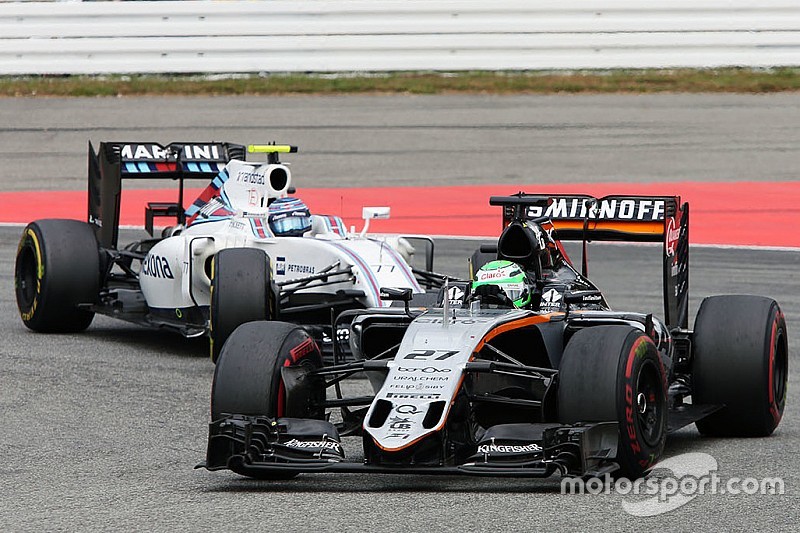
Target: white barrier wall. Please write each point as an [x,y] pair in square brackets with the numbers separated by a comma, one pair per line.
[391,35]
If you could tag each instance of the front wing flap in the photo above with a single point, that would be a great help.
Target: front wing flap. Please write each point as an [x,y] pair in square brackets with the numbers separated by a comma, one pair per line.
[254,440]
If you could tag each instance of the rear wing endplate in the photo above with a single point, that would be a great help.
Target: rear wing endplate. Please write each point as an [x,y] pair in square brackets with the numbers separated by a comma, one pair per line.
[661,219]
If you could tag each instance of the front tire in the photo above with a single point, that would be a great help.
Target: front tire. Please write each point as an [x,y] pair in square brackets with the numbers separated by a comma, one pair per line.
[740,360]
[57,269]
[240,292]
[614,373]
[248,377]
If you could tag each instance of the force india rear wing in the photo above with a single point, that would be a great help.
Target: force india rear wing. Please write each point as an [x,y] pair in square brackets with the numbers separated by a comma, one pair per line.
[661,219]
[116,161]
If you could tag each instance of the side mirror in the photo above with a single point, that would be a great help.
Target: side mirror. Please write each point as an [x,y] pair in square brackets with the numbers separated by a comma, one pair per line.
[402,295]
[375,212]
[583,297]
[369,213]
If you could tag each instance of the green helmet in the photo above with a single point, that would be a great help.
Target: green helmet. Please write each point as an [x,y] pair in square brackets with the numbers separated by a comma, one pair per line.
[509,277]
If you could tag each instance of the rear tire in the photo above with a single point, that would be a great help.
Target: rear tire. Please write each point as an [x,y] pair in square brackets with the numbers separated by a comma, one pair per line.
[57,268]
[740,360]
[240,293]
[615,374]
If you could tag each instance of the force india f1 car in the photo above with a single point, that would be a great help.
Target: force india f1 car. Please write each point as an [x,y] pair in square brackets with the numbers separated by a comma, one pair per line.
[219,267]
[477,386]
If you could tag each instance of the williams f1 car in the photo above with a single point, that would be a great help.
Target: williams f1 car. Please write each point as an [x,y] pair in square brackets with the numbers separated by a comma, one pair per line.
[503,382]
[221,265]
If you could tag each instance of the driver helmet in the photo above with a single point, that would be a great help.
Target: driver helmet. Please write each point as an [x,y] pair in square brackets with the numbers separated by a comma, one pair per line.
[509,277]
[289,217]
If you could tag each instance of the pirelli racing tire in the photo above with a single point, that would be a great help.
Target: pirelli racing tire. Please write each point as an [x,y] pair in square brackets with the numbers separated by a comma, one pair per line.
[615,374]
[57,269]
[740,360]
[253,370]
[241,291]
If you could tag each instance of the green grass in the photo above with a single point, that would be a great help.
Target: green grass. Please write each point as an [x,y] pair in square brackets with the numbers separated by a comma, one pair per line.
[729,80]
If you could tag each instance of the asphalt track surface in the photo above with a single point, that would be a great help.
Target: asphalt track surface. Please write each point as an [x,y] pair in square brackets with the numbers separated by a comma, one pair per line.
[426,140]
[101,430]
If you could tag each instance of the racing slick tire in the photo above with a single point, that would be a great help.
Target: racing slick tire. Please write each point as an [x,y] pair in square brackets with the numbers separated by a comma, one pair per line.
[248,378]
[740,360]
[614,373]
[57,269]
[240,292]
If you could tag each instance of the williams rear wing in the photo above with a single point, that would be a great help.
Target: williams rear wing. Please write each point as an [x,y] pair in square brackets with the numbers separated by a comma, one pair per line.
[661,219]
[115,161]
